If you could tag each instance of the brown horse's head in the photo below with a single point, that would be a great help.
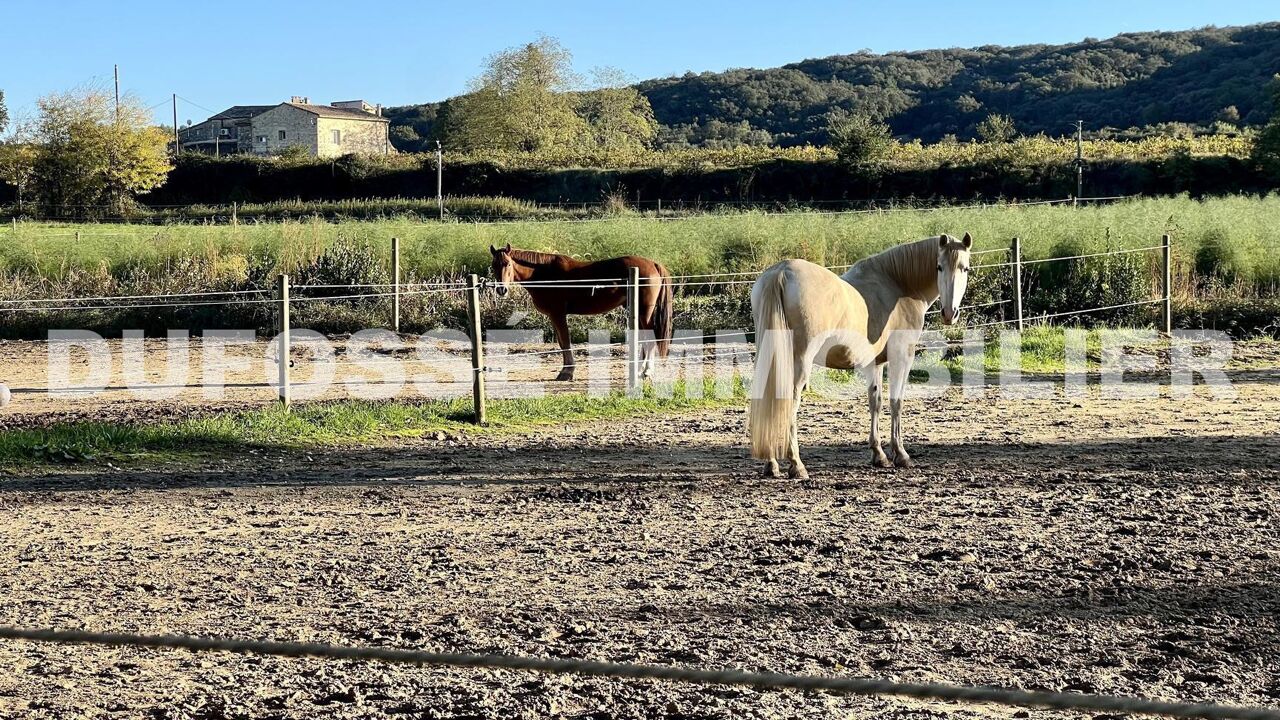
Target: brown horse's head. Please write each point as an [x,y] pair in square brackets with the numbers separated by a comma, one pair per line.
[504,268]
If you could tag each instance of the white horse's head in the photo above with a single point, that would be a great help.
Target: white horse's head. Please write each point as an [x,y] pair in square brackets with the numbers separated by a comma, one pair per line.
[953,274]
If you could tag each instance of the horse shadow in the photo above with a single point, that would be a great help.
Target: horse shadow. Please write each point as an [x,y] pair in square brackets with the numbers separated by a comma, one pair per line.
[1159,459]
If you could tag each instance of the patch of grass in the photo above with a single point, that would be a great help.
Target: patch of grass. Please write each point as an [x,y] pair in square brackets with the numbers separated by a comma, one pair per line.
[1043,348]
[339,424]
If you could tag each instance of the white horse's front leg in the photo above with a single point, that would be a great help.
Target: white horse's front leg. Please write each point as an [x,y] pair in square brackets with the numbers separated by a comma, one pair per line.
[901,356]
[875,390]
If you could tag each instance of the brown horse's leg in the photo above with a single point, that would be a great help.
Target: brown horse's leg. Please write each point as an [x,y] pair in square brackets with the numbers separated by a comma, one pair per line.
[561,324]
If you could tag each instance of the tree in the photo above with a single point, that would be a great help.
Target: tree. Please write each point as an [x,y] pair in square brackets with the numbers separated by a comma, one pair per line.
[997,128]
[859,139]
[527,101]
[1266,149]
[619,116]
[521,102]
[967,104]
[18,165]
[89,155]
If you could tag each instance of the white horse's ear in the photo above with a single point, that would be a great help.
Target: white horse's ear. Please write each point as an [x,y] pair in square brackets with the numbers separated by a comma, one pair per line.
[943,240]
[967,241]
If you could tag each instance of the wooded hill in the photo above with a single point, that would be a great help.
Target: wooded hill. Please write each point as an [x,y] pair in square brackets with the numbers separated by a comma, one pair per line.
[1131,80]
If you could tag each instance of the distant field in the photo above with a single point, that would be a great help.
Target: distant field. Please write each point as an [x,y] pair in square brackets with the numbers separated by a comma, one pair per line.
[1224,250]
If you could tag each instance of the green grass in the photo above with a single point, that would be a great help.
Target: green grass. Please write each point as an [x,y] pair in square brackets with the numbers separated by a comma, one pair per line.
[1224,252]
[1042,349]
[709,243]
[337,424]
[1043,352]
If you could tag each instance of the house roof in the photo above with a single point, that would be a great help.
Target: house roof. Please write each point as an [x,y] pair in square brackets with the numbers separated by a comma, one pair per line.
[241,111]
[333,112]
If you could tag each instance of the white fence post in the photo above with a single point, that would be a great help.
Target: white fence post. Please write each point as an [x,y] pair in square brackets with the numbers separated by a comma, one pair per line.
[395,280]
[282,349]
[1167,262]
[477,348]
[633,329]
[1016,252]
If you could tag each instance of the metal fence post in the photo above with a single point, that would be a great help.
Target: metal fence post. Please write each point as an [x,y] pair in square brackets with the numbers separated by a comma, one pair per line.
[1167,262]
[1016,252]
[282,348]
[395,280]
[477,347]
[633,329]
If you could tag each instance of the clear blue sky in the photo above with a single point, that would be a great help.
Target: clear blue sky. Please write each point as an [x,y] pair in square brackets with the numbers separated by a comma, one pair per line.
[418,51]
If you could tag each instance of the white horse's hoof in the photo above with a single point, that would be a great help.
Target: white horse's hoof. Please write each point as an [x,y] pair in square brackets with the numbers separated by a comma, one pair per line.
[771,470]
[881,461]
[902,460]
[798,472]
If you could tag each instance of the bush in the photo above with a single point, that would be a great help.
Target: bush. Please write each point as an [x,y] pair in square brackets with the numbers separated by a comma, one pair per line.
[1090,283]
[997,128]
[859,140]
[1218,261]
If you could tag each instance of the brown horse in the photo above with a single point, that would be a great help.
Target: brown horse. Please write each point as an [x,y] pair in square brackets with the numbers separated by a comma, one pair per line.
[588,288]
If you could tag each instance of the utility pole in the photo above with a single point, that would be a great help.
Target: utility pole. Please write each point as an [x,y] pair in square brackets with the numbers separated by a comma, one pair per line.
[440,178]
[176,147]
[1079,160]
[113,192]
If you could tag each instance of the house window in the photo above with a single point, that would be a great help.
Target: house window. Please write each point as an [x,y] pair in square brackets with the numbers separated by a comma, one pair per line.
[337,137]
[262,139]
[282,135]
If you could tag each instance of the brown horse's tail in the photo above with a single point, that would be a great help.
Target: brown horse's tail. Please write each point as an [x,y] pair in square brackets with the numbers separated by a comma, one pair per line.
[663,312]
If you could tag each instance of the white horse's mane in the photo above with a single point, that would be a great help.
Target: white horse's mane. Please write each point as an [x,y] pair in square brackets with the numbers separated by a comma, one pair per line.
[911,265]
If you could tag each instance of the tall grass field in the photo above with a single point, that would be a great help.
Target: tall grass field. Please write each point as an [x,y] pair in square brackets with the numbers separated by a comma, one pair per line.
[1226,255]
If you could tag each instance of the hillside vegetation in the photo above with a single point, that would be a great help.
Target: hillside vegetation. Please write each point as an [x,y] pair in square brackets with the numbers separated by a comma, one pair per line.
[1132,80]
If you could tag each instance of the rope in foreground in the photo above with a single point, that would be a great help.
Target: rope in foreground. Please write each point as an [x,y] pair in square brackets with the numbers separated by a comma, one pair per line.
[761,680]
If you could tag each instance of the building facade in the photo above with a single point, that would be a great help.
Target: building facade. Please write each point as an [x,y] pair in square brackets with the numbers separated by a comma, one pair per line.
[342,128]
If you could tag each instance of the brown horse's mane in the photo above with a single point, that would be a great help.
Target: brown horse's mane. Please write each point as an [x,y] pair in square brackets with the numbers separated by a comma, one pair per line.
[532,258]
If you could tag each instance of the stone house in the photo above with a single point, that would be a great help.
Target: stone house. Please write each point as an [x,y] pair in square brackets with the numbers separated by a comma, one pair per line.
[341,128]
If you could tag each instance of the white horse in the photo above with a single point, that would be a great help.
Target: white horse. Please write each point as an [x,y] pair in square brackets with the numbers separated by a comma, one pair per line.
[871,316]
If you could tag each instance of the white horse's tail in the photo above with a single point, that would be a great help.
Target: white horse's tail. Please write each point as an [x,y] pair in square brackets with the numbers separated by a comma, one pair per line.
[772,386]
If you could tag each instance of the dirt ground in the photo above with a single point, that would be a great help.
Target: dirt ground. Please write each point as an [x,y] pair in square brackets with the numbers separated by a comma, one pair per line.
[1086,544]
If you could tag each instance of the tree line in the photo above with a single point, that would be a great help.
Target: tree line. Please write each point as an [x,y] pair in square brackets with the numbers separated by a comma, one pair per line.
[1167,81]
[86,154]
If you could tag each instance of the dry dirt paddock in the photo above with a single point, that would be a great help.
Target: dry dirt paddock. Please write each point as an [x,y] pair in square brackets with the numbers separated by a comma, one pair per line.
[1071,544]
